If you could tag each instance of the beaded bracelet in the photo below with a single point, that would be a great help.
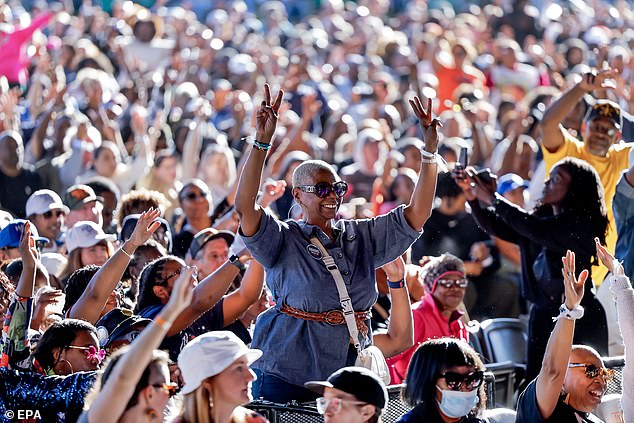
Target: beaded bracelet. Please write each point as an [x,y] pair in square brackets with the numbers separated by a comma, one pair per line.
[396,284]
[261,146]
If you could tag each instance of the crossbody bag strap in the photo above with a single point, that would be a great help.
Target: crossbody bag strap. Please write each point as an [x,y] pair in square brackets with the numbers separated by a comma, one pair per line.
[344,298]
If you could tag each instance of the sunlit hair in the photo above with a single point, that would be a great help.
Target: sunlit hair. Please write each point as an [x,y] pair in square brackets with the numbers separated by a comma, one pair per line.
[304,173]
[74,259]
[150,275]
[159,359]
[584,203]
[139,201]
[429,361]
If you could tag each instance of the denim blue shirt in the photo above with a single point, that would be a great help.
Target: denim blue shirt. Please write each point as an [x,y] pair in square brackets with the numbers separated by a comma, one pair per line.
[298,350]
[623,207]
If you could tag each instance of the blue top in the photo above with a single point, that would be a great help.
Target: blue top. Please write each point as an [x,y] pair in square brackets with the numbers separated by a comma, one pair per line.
[623,207]
[298,350]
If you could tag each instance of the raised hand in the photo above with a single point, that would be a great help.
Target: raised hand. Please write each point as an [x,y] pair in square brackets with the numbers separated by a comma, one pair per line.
[267,115]
[272,190]
[597,80]
[484,189]
[429,124]
[182,292]
[27,248]
[573,286]
[145,227]
[608,260]
[310,106]
[395,270]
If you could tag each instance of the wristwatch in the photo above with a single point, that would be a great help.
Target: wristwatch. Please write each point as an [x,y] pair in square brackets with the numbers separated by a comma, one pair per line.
[235,260]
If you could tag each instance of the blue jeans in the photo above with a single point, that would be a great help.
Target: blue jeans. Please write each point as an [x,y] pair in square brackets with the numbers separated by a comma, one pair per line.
[272,388]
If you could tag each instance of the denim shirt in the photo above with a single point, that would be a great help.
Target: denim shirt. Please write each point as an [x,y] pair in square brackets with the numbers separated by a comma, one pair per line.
[623,207]
[298,350]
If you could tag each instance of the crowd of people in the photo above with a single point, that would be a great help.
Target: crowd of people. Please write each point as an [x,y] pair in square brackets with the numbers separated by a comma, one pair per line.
[206,203]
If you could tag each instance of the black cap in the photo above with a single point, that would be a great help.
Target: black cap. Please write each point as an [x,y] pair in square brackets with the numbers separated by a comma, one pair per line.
[130,221]
[206,235]
[358,381]
[605,109]
[118,323]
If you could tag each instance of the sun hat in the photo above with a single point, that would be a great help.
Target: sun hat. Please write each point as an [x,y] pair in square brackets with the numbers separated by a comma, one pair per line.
[210,354]
[85,234]
[44,200]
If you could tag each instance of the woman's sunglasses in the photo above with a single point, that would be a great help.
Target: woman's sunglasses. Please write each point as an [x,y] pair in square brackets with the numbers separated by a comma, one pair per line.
[91,352]
[448,283]
[593,371]
[456,380]
[170,389]
[51,213]
[194,195]
[322,189]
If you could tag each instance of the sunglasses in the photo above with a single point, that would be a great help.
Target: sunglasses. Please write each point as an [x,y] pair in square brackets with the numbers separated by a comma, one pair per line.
[593,371]
[91,352]
[168,277]
[333,404]
[448,283]
[456,380]
[194,195]
[170,389]
[51,213]
[322,189]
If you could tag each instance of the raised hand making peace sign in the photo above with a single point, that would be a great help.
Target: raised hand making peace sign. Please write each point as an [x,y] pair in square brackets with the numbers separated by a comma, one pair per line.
[429,124]
[267,115]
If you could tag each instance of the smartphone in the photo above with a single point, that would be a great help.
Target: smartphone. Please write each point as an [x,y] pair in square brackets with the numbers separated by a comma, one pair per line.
[462,159]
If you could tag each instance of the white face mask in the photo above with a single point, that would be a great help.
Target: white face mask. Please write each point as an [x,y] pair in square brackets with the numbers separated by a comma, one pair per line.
[456,403]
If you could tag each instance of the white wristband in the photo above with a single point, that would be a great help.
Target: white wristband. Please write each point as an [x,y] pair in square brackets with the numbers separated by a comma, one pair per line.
[427,155]
[565,313]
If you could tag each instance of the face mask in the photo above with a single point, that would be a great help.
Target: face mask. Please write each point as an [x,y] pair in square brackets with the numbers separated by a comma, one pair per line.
[456,403]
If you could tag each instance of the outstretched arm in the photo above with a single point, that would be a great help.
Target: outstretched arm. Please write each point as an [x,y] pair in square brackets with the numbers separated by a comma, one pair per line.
[552,138]
[114,396]
[251,176]
[555,364]
[92,301]
[419,208]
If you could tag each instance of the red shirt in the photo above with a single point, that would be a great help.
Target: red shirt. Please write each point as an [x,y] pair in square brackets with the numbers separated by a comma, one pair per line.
[429,323]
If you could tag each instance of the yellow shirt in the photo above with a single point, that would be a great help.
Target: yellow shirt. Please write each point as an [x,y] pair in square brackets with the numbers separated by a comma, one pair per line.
[609,169]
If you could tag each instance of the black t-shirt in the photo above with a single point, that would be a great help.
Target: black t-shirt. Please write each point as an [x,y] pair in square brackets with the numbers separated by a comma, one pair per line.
[527,411]
[212,319]
[14,191]
[418,415]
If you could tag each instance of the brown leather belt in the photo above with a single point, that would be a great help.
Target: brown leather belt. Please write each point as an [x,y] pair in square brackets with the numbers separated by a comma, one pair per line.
[331,317]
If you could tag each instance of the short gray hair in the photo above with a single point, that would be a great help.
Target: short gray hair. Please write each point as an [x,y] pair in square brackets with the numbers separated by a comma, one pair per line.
[303,174]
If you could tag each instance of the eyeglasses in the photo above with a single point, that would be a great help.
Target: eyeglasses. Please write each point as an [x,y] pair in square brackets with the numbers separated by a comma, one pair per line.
[334,404]
[456,380]
[192,195]
[51,213]
[168,277]
[170,388]
[593,371]
[91,352]
[448,283]
[322,189]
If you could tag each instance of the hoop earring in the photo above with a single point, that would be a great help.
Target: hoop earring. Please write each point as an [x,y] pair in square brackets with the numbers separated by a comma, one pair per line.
[295,203]
[151,413]
[67,362]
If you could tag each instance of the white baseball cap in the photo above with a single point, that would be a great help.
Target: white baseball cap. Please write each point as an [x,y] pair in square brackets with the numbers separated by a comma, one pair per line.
[85,234]
[210,354]
[44,200]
